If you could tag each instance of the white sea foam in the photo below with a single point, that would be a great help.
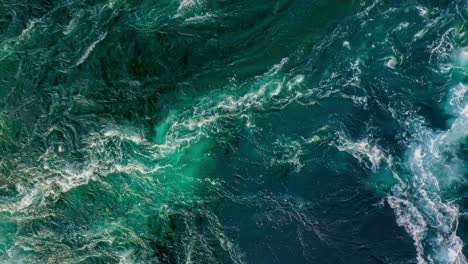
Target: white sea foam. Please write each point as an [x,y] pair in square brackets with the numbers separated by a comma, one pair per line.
[418,205]
[70,179]
[90,48]
[125,135]
[356,70]
[277,67]
[441,217]
[346,45]
[363,150]
[295,81]
[267,92]
[458,98]
[431,173]
[58,175]
[443,47]
[391,62]
[463,56]
[422,10]
[201,18]
[185,4]
[357,100]
[409,217]
[71,25]
[31,25]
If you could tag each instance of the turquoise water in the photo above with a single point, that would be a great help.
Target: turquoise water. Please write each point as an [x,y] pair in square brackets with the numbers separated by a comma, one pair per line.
[197,131]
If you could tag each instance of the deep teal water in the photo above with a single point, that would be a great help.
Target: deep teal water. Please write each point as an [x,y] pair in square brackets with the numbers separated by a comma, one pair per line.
[198,131]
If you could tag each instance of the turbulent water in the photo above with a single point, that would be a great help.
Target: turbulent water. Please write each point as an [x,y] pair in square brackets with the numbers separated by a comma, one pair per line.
[233,131]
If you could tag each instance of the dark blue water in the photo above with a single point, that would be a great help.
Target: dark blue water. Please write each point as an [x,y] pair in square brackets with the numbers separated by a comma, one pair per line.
[233,131]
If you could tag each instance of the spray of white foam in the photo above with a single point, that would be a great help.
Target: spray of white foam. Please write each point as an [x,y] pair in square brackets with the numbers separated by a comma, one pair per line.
[462,57]
[90,48]
[347,45]
[422,11]
[106,151]
[71,25]
[356,69]
[364,151]
[201,18]
[186,6]
[391,62]
[421,178]
[125,135]
[420,209]
[268,92]
[409,217]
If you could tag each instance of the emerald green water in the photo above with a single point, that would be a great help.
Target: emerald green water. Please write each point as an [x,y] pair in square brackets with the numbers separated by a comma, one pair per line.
[201,131]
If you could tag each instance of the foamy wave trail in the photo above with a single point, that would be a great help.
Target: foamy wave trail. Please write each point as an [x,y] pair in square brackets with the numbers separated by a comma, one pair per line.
[193,131]
[434,167]
[431,169]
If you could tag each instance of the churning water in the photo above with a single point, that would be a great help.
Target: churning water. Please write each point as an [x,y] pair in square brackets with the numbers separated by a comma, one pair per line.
[199,131]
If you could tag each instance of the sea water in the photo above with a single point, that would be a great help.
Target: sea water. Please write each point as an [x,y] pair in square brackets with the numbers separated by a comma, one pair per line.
[197,131]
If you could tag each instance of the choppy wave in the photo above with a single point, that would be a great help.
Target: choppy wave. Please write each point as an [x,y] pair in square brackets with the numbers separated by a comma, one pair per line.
[197,131]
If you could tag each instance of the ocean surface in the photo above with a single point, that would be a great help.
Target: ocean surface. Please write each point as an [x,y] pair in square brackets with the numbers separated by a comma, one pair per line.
[233,131]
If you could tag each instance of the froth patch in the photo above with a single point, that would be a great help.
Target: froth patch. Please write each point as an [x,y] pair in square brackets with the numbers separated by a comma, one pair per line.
[124,135]
[364,151]
[391,62]
[187,6]
[462,56]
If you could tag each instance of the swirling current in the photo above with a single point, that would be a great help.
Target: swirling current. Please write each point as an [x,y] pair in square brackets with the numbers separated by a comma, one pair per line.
[233,131]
